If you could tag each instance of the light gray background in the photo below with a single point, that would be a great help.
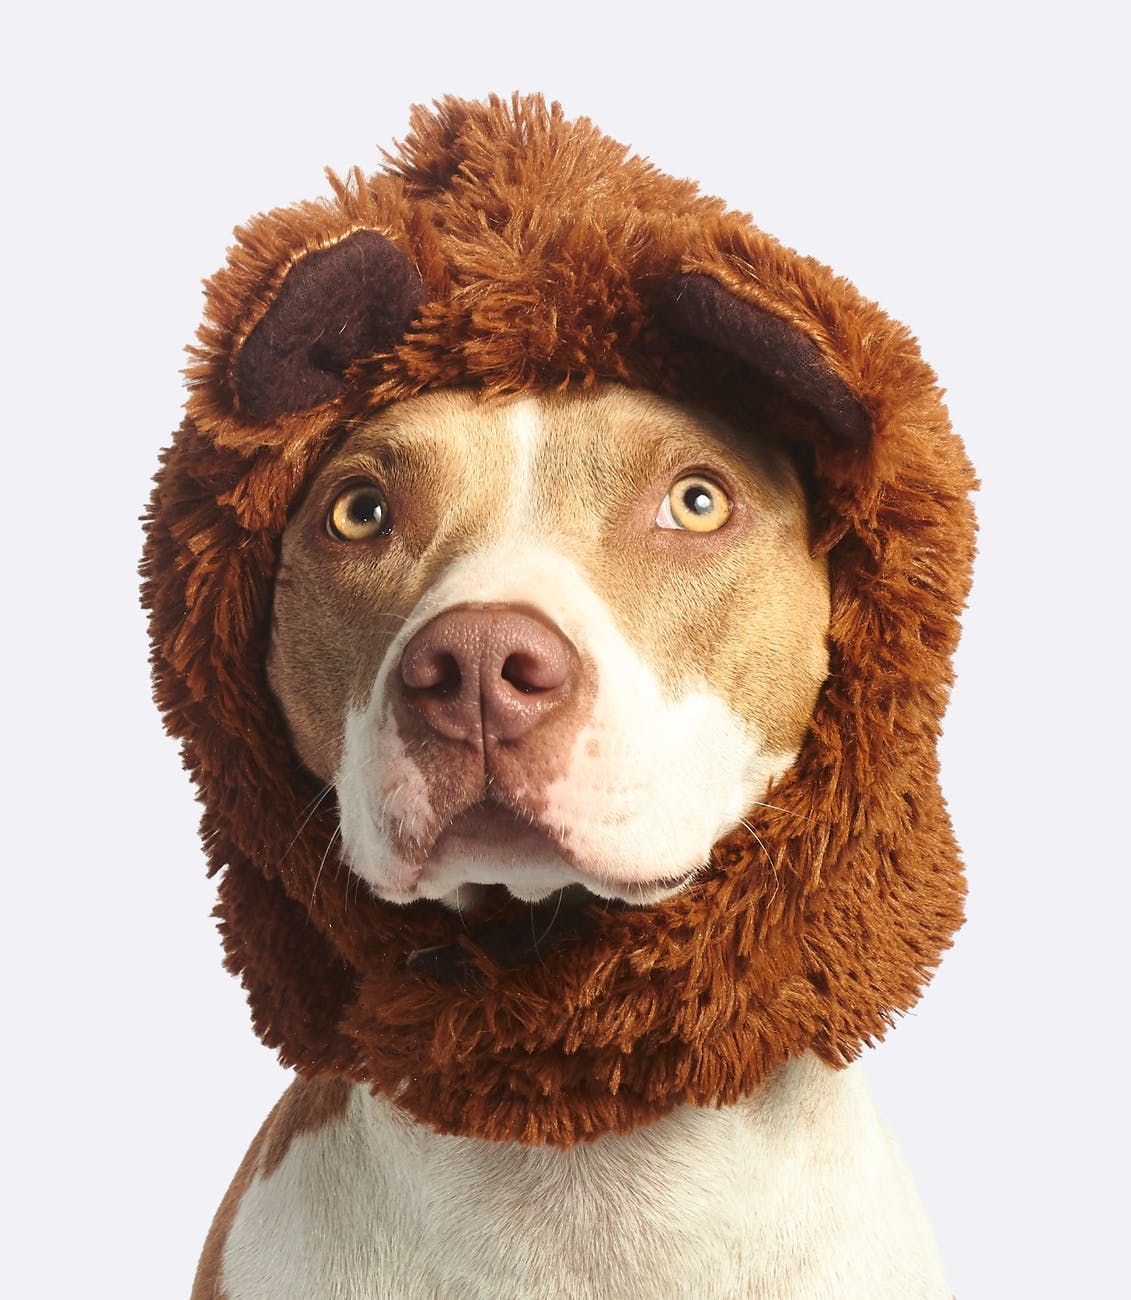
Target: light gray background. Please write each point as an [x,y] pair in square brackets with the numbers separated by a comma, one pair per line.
[958,162]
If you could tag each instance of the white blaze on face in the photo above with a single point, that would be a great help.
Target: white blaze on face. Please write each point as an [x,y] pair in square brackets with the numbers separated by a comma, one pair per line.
[526,433]
[654,776]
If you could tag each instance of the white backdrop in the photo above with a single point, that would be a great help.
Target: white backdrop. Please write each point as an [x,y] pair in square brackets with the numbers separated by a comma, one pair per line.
[959,163]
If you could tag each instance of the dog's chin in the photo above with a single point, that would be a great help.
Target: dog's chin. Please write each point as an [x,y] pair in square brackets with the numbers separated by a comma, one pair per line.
[487,845]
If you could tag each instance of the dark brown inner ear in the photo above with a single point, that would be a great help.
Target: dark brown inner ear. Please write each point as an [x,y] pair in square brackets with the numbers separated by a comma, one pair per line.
[698,307]
[336,305]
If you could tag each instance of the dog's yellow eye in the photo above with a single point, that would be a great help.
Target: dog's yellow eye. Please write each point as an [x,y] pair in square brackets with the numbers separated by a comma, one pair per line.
[695,503]
[358,514]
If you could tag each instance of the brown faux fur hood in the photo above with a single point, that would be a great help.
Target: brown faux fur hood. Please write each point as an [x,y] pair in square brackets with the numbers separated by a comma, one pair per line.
[508,250]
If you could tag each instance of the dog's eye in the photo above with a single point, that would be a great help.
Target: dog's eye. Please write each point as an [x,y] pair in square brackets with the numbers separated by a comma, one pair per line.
[695,503]
[358,514]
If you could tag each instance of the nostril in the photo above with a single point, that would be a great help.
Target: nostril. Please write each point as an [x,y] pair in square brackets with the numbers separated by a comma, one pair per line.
[529,674]
[434,672]
[448,677]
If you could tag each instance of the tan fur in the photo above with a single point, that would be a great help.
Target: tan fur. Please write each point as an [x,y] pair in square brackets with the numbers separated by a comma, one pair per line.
[685,601]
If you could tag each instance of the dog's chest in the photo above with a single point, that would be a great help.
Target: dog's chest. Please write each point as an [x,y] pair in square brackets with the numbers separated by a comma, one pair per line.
[796,1194]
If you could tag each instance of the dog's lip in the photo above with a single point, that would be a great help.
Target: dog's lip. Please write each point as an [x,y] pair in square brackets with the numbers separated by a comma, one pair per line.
[488,820]
[488,826]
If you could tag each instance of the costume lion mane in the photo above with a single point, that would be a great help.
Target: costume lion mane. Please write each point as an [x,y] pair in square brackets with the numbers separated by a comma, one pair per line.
[508,250]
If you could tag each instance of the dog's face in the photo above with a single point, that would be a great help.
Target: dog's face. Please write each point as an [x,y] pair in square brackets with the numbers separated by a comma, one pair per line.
[553,641]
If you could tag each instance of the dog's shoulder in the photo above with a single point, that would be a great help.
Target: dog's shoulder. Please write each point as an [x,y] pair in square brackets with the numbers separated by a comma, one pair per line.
[308,1106]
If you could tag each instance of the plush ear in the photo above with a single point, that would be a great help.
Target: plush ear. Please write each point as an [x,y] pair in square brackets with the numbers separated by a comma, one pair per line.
[698,307]
[335,305]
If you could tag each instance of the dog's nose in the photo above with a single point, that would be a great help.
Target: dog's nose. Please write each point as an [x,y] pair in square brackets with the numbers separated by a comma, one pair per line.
[487,672]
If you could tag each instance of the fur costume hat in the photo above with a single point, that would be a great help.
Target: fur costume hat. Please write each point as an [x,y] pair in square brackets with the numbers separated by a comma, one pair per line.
[508,250]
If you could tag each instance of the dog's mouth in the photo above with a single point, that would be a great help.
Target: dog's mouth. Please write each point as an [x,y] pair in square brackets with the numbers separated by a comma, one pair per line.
[517,921]
[491,843]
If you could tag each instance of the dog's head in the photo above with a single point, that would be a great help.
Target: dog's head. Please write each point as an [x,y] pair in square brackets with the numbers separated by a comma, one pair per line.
[548,552]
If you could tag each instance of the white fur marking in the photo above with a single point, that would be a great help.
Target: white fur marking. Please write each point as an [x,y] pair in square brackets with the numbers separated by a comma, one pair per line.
[694,770]
[525,425]
[378,784]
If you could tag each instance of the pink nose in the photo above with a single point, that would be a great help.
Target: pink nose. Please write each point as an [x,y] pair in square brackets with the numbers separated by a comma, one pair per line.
[479,673]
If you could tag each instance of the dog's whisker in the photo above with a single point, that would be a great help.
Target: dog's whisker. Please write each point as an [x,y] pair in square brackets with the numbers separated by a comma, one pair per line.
[313,803]
[534,932]
[538,938]
[352,878]
[557,911]
[313,807]
[318,875]
[390,796]
[792,812]
[769,858]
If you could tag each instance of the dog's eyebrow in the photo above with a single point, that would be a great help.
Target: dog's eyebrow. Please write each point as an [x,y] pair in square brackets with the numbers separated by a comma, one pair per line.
[373,462]
[748,457]
[381,454]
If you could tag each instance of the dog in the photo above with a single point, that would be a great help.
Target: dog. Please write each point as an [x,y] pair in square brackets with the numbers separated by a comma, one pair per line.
[553,587]
[511,637]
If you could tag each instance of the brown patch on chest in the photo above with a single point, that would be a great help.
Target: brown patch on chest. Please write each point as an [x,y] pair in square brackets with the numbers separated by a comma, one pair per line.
[307,1106]
[208,1284]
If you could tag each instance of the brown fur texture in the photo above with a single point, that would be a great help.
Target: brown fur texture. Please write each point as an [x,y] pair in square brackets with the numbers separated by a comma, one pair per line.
[545,253]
